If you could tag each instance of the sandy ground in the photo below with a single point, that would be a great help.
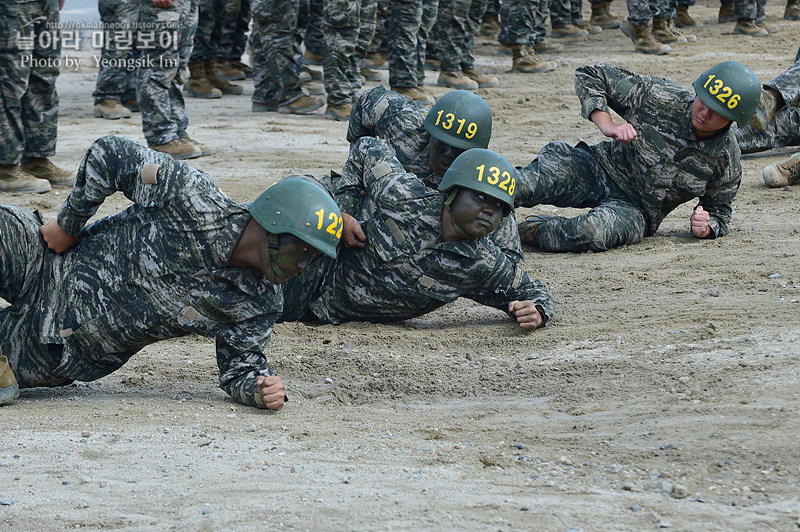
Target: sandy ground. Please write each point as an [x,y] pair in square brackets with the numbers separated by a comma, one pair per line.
[663,395]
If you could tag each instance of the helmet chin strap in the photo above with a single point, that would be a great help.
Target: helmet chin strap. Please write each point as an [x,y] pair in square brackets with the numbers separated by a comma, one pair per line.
[274,269]
[447,203]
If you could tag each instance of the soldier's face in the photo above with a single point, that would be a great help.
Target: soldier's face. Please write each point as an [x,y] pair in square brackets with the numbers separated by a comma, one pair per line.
[293,257]
[705,121]
[477,214]
[442,155]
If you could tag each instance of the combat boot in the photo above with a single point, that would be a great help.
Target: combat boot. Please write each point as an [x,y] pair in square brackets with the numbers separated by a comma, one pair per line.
[370,74]
[456,79]
[531,229]
[303,105]
[792,11]
[570,30]
[483,80]
[526,61]
[601,16]
[111,110]
[227,71]
[783,174]
[339,112]
[682,37]
[546,47]
[683,19]
[14,179]
[643,39]
[764,26]
[311,58]
[132,105]
[198,85]
[747,26]
[9,388]
[44,168]
[415,93]
[768,104]
[591,29]
[726,13]
[490,27]
[662,33]
[205,149]
[179,149]
[225,86]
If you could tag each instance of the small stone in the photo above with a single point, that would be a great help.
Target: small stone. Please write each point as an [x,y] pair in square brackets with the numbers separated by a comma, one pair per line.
[714,293]
[775,276]
[206,511]
[664,524]
[297,469]
[65,483]
[328,380]
[252,428]
[666,487]
[520,445]
[85,434]
[627,486]
[664,446]
[679,492]
[636,508]
[6,502]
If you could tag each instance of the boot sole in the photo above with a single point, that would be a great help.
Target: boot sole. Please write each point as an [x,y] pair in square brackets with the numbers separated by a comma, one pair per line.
[203,96]
[535,71]
[9,393]
[111,116]
[457,86]
[234,77]
[41,189]
[302,111]
[235,92]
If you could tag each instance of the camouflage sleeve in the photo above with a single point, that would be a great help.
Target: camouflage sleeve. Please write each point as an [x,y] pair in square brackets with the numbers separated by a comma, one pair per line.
[374,167]
[367,112]
[113,164]
[506,237]
[603,87]
[720,192]
[509,282]
[240,358]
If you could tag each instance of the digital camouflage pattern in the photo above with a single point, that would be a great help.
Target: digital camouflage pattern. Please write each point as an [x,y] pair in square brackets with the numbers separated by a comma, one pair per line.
[117,83]
[29,110]
[641,11]
[158,82]
[517,21]
[784,129]
[275,40]
[154,271]
[400,123]
[210,18]
[749,9]
[348,28]
[233,40]
[666,166]
[455,32]
[406,270]
[410,23]
[565,12]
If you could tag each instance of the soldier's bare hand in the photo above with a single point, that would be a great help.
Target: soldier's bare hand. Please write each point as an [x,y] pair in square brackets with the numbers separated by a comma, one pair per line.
[353,235]
[622,132]
[699,221]
[56,238]
[528,316]
[272,391]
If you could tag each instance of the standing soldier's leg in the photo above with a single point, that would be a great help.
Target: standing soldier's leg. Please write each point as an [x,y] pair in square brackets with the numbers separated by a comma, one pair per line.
[368,19]
[477,10]
[430,10]
[746,14]
[405,18]
[113,85]
[340,65]
[516,27]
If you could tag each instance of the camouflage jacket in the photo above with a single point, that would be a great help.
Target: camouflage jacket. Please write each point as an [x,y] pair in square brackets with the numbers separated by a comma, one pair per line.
[154,271]
[667,165]
[400,123]
[406,269]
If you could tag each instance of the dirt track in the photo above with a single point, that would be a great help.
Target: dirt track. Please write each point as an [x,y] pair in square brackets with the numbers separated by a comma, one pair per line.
[663,395]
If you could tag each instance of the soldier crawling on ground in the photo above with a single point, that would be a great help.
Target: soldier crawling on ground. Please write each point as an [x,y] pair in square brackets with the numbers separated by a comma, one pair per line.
[674,146]
[184,259]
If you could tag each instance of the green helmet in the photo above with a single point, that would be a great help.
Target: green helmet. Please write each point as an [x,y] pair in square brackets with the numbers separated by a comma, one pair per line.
[731,90]
[461,119]
[298,206]
[483,171]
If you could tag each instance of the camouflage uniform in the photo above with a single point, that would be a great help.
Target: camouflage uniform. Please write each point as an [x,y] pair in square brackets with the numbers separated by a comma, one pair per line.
[406,270]
[630,187]
[348,28]
[641,11]
[455,32]
[154,271]
[311,15]
[410,23]
[749,9]
[565,12]
[115,83]
[210,17]
[275,42]
[233,40]
[517,21]
[784,129]
[400,123]
[158,82]
[29,110]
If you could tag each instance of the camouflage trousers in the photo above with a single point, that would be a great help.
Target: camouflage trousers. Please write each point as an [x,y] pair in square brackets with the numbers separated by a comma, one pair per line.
[23,263]
[158,82]
[210,18]
[567,176]
[276,51]
[117,83]
[233,40]
[455,29]
[521,21]
[348,28]
[565,12]
[410,24]
[29,110]
[750,9]
[311,15]
[641,11]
